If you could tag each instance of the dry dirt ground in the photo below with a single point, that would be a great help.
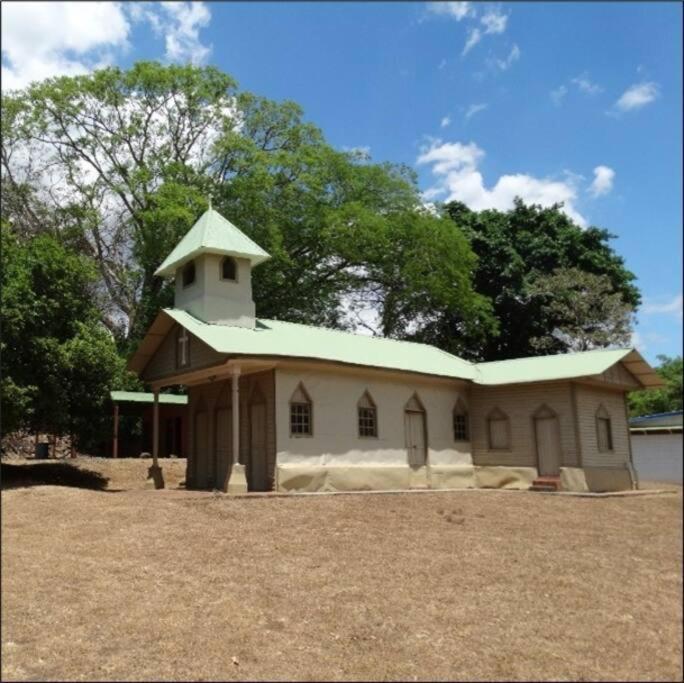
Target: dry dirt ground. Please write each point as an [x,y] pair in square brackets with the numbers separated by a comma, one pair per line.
[116,581]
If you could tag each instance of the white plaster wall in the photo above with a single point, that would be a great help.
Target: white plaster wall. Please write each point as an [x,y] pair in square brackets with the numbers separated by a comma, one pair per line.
[335,439]
[658,457]
[215,300]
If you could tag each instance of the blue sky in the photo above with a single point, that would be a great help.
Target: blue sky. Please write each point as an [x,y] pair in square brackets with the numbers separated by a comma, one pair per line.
[580,102]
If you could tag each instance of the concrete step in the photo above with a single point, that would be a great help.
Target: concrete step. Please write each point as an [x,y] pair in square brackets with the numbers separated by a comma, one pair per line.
[546,483]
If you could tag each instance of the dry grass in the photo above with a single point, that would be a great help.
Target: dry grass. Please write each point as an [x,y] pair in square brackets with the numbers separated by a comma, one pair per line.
[176,585]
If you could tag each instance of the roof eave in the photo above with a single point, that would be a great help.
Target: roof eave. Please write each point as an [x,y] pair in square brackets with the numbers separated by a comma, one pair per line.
[168,269]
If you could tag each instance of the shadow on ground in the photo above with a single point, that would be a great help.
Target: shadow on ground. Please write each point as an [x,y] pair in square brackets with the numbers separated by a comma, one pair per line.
[51,474]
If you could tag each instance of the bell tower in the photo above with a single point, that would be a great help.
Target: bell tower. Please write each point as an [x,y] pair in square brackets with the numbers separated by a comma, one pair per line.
[212,266]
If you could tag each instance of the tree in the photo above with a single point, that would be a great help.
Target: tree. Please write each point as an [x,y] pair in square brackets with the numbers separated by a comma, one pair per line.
[517,247]
[131,157]
[58,362]
[589,313]
[664,400]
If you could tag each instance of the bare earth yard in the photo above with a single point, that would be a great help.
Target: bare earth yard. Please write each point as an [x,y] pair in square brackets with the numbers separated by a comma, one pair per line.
[137,584]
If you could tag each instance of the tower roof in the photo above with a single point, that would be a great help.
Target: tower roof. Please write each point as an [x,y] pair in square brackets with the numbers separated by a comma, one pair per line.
[212,234]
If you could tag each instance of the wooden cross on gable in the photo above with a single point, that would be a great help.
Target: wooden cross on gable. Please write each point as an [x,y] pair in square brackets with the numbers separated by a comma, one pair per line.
[183,341]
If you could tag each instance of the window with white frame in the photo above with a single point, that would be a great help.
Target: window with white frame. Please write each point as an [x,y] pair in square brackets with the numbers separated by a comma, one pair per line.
[604,432]
[461,422]
[301,418]
[498,430]
[367,416]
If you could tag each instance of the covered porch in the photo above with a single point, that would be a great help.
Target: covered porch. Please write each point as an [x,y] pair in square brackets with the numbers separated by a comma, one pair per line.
[230,425]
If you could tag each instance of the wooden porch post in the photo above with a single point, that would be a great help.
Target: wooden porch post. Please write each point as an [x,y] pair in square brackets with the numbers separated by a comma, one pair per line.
[155,429]
[236,481]
[155,472]
[235,411]
[115,442]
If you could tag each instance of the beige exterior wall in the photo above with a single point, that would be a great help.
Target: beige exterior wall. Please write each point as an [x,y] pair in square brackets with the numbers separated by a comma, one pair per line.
[519,402]
[163,363]
[335,441]
[214,396]
[589,399]
[620,376]
[215,300]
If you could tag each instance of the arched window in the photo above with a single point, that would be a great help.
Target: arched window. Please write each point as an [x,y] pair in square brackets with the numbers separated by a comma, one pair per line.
[368,416]
[461,422]
[188,274]
[301,417]
[604,431]
[229,269]
[498,430]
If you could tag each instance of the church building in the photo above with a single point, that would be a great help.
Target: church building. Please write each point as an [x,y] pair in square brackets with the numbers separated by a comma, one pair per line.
[274,405]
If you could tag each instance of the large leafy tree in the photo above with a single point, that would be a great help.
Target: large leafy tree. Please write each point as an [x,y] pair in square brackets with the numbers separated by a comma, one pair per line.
[122,162]
[58,361]
[523,251]
[589,312]
[663,400]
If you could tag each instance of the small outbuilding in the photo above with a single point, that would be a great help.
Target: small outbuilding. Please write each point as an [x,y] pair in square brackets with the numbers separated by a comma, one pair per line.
[657,446]
[172,420]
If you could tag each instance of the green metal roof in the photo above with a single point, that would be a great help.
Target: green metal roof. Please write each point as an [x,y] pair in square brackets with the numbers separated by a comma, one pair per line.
[277,338]
[274,338]
[142,397]
[544,368]
[212,234]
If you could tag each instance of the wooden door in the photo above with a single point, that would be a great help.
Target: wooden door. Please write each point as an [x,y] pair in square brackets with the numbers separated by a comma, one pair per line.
[547,434]
[258,471]
[224,445]
[414,423]
[201,450]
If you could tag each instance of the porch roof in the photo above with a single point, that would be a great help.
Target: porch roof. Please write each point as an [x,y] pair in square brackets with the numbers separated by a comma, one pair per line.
[144,397]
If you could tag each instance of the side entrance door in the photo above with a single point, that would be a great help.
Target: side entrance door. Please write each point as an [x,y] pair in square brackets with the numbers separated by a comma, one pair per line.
[547,434]
[414,425]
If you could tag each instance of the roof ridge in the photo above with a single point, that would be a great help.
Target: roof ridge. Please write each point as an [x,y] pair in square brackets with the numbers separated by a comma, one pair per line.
[234,227]
[553,355]
[366,336]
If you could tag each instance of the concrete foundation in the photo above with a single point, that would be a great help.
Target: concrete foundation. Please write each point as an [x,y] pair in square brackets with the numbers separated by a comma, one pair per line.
[237,482]
[498,477]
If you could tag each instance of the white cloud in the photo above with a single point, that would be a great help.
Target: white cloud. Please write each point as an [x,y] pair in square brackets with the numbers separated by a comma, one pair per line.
[494,21]
[584,84]
[44,39]
[450,156]
[445,121]
[179,23]
[603,181]
[513,56]
[672,307]
[474,109]
[637,96]
[456,167]
[558,94]
[455,10]
[442,64]
[474,37]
